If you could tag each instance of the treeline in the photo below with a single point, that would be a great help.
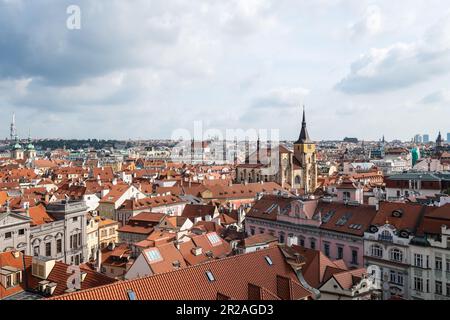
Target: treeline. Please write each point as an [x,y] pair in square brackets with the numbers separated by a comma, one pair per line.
[79,144]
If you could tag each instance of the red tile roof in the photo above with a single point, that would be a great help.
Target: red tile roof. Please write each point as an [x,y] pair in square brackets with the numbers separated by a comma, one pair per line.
[344,218]
[232,277]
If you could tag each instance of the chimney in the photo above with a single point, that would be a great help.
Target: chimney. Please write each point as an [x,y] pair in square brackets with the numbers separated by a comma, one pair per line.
[50,289]
[99,260]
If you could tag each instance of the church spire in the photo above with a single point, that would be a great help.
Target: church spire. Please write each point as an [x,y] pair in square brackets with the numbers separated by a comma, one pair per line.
[304,136]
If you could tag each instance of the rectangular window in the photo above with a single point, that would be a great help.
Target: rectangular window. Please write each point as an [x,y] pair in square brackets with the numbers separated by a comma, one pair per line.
[396,277]
[75,219]
[418,260]
[418,284]
[447,288]
[313,244]
[21,232]
[438,287]
[326,249]
[8,235]
[447,265]
[48,249]
[59,246]
[36,251]
[340,253]
[354,256]
[302,242]
[438,263]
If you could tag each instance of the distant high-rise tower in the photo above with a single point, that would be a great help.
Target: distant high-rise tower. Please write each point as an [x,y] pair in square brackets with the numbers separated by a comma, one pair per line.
[426,138]
[418,138]
[448,137]
[12,130]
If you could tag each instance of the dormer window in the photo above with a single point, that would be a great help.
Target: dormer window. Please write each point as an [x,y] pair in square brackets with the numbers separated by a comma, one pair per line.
[385,236]
[10,277]
[397,213]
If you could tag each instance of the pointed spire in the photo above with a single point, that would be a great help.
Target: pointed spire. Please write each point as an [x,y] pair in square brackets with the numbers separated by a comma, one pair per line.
[304,136]
[258,146]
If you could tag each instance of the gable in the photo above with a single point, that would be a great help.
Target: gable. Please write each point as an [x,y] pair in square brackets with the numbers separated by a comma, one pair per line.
[331,286]
[11,219]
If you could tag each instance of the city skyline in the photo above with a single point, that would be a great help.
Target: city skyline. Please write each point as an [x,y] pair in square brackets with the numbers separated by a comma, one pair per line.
[351,63]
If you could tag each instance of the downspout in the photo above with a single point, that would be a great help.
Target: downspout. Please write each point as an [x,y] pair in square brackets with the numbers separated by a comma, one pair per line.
[316,292]
[25,278]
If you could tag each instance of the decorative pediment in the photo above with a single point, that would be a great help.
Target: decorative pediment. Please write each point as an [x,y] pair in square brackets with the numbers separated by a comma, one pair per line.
[11,218]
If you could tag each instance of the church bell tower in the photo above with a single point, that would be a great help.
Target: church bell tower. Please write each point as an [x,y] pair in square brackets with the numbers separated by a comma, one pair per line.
[305,157]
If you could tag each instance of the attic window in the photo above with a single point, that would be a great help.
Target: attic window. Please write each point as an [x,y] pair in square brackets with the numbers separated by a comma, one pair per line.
[269,260]
[210,276]
[131,295]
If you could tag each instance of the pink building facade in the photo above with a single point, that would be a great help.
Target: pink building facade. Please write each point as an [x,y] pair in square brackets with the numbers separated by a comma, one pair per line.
[336,229]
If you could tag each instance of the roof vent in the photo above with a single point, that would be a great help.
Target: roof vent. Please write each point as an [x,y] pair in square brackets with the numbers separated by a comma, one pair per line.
[197,251]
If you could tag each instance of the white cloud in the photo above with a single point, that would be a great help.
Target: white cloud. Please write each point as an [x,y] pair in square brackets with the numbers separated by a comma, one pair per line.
[437,98]
[370,24]
[402,64]
[282,97]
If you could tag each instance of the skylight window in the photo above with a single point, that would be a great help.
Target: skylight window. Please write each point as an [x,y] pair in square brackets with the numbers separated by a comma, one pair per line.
[214,238]
[344,219]
[131,295]
[210,276]
[154,255]
[268,260]
[327,216]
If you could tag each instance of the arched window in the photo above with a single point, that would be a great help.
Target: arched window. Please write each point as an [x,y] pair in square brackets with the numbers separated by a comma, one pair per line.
[396,255]
[376,251]
[297,179]
[385,236]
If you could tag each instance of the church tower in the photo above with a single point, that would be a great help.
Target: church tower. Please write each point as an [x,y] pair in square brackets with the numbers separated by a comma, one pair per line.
[30,152]
[305,161]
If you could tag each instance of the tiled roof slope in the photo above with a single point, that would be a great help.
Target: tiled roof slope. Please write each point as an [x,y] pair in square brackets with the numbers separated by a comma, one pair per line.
[232,275]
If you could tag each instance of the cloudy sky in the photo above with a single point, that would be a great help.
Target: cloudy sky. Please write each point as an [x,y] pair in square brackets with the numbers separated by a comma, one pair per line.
[144,68]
